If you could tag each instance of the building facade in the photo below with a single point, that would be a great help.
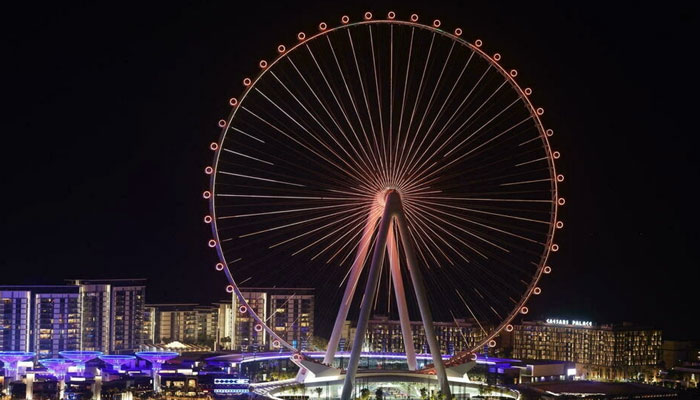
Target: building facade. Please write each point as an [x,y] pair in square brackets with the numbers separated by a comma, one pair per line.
[185,322]
[112,311]
[608,352]
[384,335]
[99,315]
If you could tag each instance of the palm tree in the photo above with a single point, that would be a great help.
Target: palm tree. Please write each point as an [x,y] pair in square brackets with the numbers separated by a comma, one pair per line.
[318,391]
[379,394]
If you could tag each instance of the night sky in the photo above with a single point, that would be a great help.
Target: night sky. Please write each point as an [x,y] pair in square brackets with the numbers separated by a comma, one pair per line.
[109,110]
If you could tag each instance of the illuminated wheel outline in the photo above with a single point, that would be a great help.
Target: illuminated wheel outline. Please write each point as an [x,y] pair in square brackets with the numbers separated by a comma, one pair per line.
[476,48]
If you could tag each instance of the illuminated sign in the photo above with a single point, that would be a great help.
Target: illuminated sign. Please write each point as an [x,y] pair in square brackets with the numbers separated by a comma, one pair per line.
[228,381]
[555,321]
[571,372]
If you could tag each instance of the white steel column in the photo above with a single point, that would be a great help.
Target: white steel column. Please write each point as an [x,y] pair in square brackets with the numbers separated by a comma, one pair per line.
[393,250]
[355,272]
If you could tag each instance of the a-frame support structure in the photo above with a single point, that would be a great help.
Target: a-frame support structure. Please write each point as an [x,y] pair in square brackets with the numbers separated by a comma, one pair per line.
[386,242]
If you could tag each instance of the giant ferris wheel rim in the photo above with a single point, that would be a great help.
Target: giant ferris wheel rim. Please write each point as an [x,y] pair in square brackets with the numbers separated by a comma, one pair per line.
[477,48]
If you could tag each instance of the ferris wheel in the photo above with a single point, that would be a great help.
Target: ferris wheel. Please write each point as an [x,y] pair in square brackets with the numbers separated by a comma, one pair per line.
[387,141]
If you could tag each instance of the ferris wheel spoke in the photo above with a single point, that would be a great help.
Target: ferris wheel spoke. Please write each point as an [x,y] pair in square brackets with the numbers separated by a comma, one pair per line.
[364,174]
[420,226]
[391,102]
[354,106]
[354,212]
[531,161]
[420,221]
[457,112]
[297,210]
[480,211]
[421,176]
[471,221]
[440,226]
[261,179]
[352,222]
[366,167]
[292,138]
[526,182]
[321,142]
[383,156]
[419,95]
[465,140]
[247,156]
[247,134]
[380,163]
[416,237]
[403,103]
[470,311]
[353,226]
[435,88]
[468,232]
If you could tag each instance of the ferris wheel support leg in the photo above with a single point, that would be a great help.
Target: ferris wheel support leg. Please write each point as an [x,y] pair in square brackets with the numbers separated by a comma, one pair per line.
[405,321]
[426,315]
[367,299]
[355,272]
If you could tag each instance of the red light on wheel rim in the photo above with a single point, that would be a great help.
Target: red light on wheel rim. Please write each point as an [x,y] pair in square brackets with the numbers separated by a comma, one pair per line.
[208,170]
[560,178]
[414,17]
[478,43]
[509,328]
[458,32]
[524,310]
[547,269]
[513,73]
[212,243]
[207,219]
[436,23]
[247,82]
[556,155]
[536,290]
[258,328]
[497,57]
[492,343]
[555,247]
[219,266]
[391,15]
[561,201]
[560,224]
[301,36]
[322,26]
[229,288]
[222,123]
[528,91]
[276,343]
[242,309]
[213,146]
[345,19]
[206,194]
[549,132]
[368,15]
[281,48]
[263,64]
[540,111]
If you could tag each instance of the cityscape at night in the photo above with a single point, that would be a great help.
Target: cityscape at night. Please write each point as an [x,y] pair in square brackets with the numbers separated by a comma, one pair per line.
[366,201]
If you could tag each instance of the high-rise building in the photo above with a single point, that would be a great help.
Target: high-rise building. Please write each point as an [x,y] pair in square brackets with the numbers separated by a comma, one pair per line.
[15,320]
[292,315]
[225,324]
[288,311]
[42,319]
[185,322]
[615,351]
[384,335]
[123,300]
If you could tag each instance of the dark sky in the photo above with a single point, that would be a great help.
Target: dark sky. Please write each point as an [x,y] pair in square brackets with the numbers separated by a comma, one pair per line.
[109,110]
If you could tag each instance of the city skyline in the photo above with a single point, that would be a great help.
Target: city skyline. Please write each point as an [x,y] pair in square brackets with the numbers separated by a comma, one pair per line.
[153,225]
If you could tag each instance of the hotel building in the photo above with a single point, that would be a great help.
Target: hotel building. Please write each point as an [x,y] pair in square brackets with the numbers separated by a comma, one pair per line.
[384,335]
[607,352]
[184,322]
[102,315]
